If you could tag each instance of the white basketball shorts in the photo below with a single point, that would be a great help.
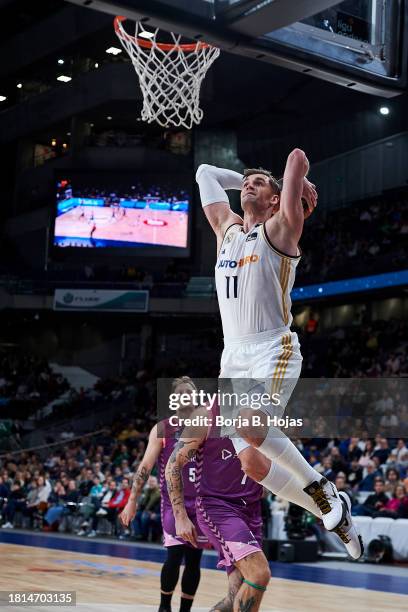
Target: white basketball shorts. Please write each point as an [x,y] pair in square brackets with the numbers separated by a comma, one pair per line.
[262,365]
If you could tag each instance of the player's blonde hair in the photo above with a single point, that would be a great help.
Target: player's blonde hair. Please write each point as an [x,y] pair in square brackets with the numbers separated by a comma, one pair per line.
[182,380]
[274,183]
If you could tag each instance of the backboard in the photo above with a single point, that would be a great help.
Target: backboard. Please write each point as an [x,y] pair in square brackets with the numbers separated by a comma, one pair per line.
[360,44]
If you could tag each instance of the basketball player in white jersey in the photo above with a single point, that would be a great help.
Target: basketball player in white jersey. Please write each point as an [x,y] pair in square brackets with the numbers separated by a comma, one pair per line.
[255,272]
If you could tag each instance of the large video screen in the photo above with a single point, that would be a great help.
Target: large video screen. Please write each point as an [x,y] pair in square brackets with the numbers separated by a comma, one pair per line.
[131,211]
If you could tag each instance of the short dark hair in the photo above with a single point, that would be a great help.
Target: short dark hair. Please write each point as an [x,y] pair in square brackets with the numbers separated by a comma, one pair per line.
[274,183]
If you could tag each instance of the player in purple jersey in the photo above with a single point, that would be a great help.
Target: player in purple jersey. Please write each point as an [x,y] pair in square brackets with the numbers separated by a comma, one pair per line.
[228,509]
[162,439]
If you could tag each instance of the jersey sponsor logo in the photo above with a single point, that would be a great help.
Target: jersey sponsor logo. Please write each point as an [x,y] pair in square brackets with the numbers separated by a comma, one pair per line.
[226,454]
[252,236]
[229,238]
[223,252]
[231,263]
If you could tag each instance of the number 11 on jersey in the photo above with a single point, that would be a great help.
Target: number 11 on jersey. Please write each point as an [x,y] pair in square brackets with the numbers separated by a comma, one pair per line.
[234,288]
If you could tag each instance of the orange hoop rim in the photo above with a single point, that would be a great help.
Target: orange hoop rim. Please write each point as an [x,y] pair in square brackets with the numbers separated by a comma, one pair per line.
[147,44]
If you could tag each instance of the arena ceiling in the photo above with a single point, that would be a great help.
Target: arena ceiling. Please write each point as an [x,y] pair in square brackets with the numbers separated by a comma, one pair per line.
[240,92]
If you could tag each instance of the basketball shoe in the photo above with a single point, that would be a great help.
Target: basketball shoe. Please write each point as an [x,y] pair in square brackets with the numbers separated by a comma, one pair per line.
[325,495]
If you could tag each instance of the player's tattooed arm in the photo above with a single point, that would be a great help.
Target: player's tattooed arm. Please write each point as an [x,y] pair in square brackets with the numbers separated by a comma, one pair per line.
[183,452]
[146,465]
[139,480]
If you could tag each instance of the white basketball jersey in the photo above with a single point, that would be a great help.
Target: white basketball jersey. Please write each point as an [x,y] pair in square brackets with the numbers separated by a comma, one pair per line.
[254,281]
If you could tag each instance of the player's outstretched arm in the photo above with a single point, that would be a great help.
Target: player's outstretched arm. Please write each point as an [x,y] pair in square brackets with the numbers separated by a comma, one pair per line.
[295,187]
[141,475]
[213,182]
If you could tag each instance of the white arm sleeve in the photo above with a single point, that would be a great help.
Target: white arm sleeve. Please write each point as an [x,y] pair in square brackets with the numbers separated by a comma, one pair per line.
[213,182]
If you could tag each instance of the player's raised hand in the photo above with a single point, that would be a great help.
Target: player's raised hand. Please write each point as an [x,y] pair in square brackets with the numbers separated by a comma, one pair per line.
[128,513]
[309,197]
[186,530]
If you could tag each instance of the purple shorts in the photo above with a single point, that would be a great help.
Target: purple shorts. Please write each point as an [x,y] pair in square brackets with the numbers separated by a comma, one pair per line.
[234,530]
[169,529]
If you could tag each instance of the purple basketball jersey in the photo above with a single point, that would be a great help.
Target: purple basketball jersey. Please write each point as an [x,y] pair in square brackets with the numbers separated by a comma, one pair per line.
[219,473]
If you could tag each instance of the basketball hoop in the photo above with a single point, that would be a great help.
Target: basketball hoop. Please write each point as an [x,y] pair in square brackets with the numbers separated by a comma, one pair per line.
[170,75]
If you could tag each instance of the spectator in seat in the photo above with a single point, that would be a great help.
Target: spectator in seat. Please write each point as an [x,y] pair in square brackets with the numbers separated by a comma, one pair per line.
[342,485]
[353,451]
[367,484]
[56,503]
[86,483]
[327,468]
[38,498]
[97,470]
[392,478]
[118,475]
[397,506]
[383,452]
[374,502]
[119,500]
[148,516]
[16,501]
[4,491]
[339,465]
[399,454]
[103,509]
[124,466]
[120,454]
[7,480]
[97,488]
[355,474]
[72,494]
[367,454]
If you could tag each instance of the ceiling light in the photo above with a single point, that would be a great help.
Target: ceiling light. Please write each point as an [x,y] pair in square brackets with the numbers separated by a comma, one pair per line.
[53,142]
[68,133]
[61,61]
[109,118]
[113,51]
[92,124]
[145,34]
[19,85]
[2,98]
[384,110]
[96,65]
[64,78]
[64,145]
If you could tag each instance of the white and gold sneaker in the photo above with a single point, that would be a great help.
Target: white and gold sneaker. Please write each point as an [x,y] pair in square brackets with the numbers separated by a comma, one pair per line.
[348,533]
[326,497]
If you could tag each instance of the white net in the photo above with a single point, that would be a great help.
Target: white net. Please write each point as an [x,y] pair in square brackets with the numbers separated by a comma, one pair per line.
[170,75]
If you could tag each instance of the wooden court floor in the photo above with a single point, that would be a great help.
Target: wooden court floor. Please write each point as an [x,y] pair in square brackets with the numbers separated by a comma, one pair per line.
[119,584]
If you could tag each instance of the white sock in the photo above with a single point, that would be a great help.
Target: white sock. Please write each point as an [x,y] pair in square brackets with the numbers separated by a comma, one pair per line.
[281,450]
[280,482]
